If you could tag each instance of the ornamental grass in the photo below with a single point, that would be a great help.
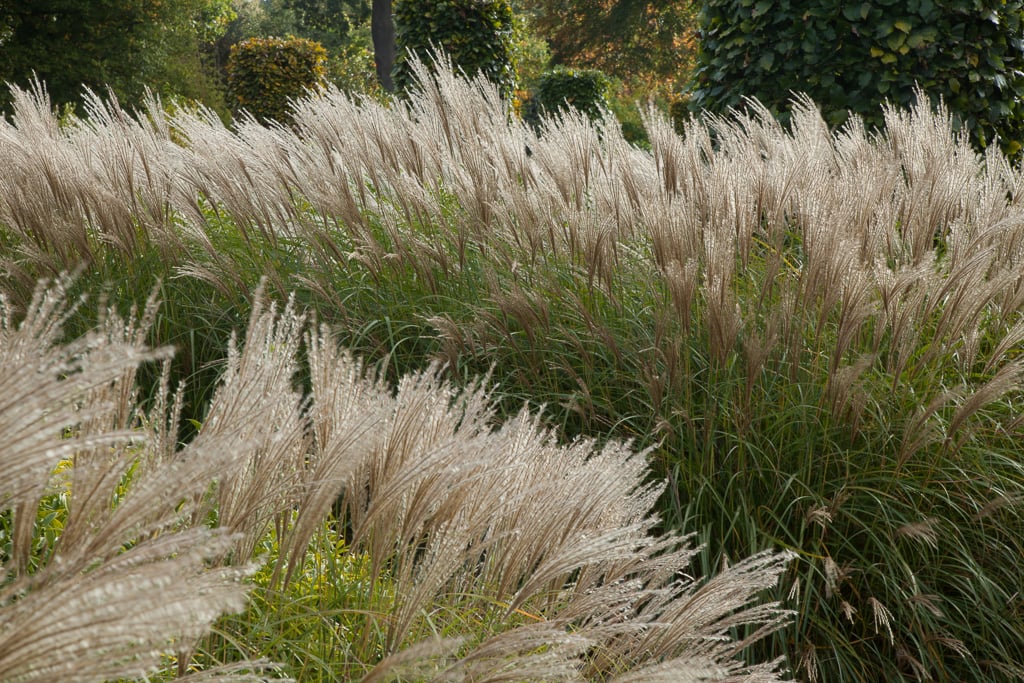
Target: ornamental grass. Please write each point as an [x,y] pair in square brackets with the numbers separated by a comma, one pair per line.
[473,551]
[814,335]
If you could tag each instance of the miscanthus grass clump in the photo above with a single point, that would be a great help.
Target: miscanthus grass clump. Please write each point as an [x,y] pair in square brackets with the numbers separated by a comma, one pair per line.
[102,575]
[817,333]
[475,552]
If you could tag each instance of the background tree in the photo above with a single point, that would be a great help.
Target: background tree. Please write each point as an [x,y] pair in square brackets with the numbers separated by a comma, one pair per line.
[124,44]
[531,53]
[643,42]
[340,26]
[328,22]
[646,47]
[854,56]
[384,48]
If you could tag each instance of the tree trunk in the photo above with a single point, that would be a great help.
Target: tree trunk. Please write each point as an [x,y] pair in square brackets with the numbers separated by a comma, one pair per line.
[382,29]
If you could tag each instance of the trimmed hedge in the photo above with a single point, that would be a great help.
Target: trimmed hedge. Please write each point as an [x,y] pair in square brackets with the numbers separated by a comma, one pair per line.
[854,56]
[559,88]
[264,74]
[476,34]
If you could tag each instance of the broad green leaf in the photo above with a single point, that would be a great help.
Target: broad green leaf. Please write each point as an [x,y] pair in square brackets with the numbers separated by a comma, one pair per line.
[895,40]
[918,39]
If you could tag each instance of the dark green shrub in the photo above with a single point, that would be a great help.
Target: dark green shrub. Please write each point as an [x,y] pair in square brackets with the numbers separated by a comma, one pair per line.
[265,73]
[124,45]
[679,113]
[585,90]
[854,56]
[630,122]
[476,34]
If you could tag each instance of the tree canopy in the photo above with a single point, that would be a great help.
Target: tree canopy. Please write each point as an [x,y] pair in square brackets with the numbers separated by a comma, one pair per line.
[123,44]
[649,40]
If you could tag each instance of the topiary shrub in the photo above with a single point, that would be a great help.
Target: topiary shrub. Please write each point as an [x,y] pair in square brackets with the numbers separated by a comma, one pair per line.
[265,73]
[476,34]
[679,113]
[854,56]
[559,88]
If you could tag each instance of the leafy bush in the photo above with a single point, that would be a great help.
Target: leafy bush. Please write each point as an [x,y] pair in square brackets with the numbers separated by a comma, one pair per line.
[585,90]
[854,56]
[679,113]
[476,34]
[351,69]
[124,45]
[264,74]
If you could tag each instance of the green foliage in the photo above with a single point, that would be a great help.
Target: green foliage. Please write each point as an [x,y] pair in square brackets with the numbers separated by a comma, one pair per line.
[854,56]
[351,67]
[679,113]
[264,74]
[628,104]
[124,44]
[340,26]
[328,22]
[51,517]
[649,41]
[321,626]
[585,90]
[211,18]
[476,34]
[530,52]
[325,21]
